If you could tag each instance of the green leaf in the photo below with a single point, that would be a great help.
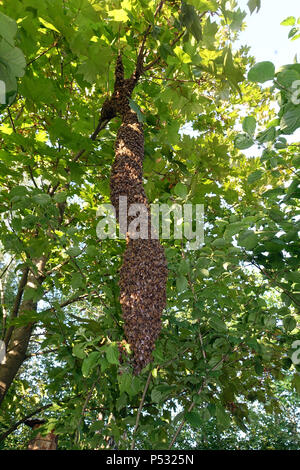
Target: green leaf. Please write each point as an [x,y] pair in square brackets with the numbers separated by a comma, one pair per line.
[92,251]
[204,5]
[74,251]
[223,418]
[289,21]
[248,239]
[97,426]
[255,176]
[270,322]
[281,143]
[137,110]
[13,57]
[48,25]
[181,283]
[194,419]
[8,28]
[258,367]
[33,294]
[296,383]
[78,350]
[233,73]
[18,191]
[209,33]
[243,141]
[125,383]
[90,362]
[77,281]
[112,353]
[249,125]
[291,119]
[191,20]
[267,136]
[121,401]
[289,323]
[60,197]
[218,324]
[273,193]
[287,77]
[203,272]
[42,199]
[156,395]
[7,77]
[118,15]
[262,72]
[293,276]
[254,4]
[219,243]
[181,190]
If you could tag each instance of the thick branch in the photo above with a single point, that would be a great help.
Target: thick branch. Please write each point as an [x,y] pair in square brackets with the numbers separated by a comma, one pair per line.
[17,303]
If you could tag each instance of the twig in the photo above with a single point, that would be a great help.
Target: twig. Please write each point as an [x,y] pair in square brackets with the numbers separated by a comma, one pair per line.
[38,410]
[40,353]
[43,53]
[202,346]
[274,282]
[58,266]
[87,399]
[11,120]
[32,177]
[183,421]
[175,40]
[193,402]
[164,364]
[176,80]
[195,299]
[21,421]
[6,268]
[140,409]
[66,303]
[157,59]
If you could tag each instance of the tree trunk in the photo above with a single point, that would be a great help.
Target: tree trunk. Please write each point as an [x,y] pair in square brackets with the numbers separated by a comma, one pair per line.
[17,338]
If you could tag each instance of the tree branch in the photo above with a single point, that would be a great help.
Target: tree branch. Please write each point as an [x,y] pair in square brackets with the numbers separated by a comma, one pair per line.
[157,59]
[87,399]
[190,408]
[44,52]
[21,421]
[17,303]
[140,408]
[6,268]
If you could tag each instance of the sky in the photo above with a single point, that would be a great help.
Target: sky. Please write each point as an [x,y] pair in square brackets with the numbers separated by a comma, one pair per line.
[267,38]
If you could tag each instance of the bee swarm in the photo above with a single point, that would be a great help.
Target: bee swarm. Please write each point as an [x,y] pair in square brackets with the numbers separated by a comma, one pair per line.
[143,275]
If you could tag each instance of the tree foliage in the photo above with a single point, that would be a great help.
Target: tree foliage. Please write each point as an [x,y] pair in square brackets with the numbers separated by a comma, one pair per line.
[232,315]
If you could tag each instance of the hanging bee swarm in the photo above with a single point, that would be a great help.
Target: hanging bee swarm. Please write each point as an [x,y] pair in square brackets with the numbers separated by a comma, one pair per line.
[143,275]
